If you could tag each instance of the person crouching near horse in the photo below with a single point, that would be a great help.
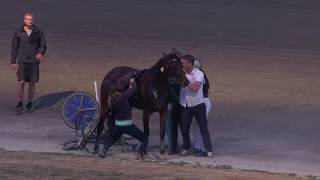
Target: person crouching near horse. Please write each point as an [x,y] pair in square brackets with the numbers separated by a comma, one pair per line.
[120,107]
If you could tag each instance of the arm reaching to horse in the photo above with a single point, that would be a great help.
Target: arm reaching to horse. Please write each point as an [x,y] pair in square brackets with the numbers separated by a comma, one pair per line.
[131,90]
[194,86]
[197,82]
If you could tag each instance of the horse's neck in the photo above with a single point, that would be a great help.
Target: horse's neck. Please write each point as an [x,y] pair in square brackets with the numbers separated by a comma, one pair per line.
[157,78]
[155,68]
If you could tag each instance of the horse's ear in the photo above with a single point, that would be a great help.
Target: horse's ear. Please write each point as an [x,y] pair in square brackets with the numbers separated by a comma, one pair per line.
[174,51]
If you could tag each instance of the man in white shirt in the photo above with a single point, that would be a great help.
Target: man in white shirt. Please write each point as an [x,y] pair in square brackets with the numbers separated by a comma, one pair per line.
[193,103]
[197,137]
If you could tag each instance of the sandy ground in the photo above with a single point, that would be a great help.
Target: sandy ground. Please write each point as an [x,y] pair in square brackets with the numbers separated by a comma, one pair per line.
[26,165]
[262,58]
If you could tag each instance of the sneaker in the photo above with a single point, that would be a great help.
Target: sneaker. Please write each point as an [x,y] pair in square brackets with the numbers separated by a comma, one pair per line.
[30,108]
[19,107]
[173,152]
[184,152]
[210,154]
[200,154]
[195,151]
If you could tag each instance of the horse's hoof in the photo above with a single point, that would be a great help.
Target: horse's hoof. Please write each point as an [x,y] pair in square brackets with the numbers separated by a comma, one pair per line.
[95,150]
[140,156]
[146,156]
[163,157]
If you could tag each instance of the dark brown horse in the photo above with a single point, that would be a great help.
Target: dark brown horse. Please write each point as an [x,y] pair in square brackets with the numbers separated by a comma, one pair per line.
[153,91]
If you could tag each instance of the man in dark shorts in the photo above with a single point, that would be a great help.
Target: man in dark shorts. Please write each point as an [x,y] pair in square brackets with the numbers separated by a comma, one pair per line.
[28,49]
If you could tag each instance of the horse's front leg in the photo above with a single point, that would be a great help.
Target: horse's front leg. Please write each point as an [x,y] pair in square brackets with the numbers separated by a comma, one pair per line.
[163,117]
[146,130]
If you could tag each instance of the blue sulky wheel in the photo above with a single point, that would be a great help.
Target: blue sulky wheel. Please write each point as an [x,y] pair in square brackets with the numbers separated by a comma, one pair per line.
[80,110]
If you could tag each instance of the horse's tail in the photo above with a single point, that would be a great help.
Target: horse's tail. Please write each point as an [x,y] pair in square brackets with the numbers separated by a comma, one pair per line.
[104,110]
[104,99]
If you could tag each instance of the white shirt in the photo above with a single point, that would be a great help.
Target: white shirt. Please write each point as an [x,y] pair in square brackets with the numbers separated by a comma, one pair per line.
[192,98]
[29,32]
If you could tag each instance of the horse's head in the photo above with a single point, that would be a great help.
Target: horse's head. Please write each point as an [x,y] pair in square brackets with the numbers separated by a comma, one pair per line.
[171,68]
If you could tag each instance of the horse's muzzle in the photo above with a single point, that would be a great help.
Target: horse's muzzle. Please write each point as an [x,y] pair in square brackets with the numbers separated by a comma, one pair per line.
[185,82]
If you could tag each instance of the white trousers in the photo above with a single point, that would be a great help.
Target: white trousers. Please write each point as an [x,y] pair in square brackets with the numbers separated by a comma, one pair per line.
[197,137]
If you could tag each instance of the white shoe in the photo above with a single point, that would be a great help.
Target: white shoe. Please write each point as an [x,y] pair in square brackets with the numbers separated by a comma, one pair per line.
[210,154]
[184,152]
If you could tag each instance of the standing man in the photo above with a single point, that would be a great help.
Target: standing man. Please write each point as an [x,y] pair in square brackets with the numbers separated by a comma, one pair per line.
[197,138]
[192,101]
[174,117]
[28,49]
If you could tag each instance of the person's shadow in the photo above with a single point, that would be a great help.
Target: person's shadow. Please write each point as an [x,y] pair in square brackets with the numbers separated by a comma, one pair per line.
[50,99]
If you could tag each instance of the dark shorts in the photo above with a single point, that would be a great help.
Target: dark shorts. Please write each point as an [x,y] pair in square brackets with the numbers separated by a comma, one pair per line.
[28,72]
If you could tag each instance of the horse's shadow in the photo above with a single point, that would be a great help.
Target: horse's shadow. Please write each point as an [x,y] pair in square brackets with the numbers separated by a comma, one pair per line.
[50,99]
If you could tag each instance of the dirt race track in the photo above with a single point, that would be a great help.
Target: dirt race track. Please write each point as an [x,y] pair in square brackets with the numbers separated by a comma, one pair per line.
[27,165]
[262,58]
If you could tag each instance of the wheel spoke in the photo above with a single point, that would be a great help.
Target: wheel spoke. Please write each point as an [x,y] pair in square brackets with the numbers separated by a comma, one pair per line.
[72,105]
[88,109]
[81,101]
[73,115]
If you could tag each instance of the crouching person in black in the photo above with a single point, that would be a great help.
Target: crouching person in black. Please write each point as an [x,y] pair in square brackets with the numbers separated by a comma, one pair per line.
[120,107]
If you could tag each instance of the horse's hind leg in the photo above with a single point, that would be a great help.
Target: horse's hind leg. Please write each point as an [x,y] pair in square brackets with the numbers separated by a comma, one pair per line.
[99,130]
[103,115]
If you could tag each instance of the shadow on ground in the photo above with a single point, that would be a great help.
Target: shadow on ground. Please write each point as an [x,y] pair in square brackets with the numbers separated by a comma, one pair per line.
[50,99]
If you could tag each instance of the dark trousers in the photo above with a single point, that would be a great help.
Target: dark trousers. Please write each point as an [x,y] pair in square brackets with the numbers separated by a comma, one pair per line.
[131,130]
[176,113]
[199,112]
[111,121]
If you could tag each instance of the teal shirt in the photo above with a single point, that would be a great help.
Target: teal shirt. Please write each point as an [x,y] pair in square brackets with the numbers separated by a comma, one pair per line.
[124,122]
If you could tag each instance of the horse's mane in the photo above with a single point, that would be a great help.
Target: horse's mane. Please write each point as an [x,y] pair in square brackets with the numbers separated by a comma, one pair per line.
[165,59]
